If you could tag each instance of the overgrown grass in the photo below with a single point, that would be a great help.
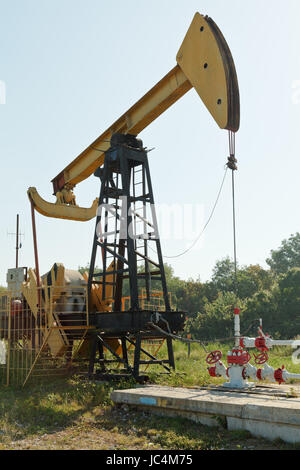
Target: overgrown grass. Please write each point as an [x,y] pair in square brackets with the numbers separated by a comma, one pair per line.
[191,370]
[47,406]
[73,413]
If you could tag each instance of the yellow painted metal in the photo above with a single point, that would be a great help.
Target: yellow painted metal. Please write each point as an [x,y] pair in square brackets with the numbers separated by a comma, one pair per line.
[57,342]
[58,287]
[63,294]
[62,211]
[204,62]
[99,305]
[96,302]
[43,340]
[166,92]
[30,292]
[201,58]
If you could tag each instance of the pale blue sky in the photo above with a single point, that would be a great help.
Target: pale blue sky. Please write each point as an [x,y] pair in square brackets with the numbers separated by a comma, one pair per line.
[72,67]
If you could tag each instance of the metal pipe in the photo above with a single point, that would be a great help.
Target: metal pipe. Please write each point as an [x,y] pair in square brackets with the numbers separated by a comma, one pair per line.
[269,342]
[36,257]
[237,332]
[17,242]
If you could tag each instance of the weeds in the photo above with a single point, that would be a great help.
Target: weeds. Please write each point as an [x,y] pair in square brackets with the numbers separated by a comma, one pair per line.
[65,413]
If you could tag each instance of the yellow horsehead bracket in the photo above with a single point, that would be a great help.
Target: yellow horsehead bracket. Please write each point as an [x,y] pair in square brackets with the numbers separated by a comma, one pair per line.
[204,61]
[61,211]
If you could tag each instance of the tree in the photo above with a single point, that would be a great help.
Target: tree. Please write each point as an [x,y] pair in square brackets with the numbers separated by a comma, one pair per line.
[287,256]
[223,275]
[289,303]
[262,305]
[278,307]
[86,269]
[249,279]
[216,319]
[189,296]
[252,279]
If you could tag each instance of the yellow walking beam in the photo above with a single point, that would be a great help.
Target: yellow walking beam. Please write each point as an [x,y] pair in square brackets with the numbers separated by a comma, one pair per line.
[204,62]
[147,109]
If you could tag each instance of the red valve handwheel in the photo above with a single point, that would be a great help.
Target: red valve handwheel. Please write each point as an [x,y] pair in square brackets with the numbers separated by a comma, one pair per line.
[261,358]
[214,357]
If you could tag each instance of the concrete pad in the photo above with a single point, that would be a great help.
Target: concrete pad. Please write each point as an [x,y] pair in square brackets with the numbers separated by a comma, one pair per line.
[270,412]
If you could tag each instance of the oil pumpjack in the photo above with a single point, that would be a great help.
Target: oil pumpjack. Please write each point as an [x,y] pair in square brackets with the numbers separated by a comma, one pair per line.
[126,234]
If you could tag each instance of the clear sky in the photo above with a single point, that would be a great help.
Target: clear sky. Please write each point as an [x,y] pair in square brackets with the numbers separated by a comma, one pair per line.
[72,67]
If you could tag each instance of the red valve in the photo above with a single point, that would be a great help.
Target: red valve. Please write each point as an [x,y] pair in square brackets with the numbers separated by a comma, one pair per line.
[214,357]
[261,358]
[239,357]
[260,343]
[278,375]
[212,371]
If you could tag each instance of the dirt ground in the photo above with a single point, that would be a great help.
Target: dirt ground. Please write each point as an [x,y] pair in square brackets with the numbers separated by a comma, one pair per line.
[122,429]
